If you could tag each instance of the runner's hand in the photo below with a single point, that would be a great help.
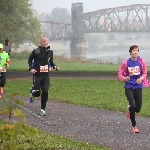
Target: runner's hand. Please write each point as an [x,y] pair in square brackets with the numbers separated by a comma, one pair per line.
[126,79]
[56,68]
[139,80]
[7,65]
[33,71]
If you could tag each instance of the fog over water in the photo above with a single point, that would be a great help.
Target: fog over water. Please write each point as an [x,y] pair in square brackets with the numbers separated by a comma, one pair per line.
[112,56]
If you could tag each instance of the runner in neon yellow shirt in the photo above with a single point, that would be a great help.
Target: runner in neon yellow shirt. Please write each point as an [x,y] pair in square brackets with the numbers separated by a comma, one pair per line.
[4,62]
[4,59]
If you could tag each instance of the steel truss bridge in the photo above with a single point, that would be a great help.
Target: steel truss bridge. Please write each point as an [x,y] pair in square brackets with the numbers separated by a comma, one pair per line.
[133,18]
[55,30]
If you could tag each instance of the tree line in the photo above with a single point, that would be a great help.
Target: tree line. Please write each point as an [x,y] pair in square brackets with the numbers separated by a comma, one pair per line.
[57,15]
[18,24]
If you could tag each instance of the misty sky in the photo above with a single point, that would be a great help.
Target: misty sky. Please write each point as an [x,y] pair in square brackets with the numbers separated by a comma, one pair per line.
[88,5]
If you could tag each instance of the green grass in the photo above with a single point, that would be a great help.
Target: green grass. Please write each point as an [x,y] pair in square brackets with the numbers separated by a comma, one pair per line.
[18,65]
[46,141]
[53,142]
[86,67]
[104,94]
[22,65]
[67,66]
[19,62]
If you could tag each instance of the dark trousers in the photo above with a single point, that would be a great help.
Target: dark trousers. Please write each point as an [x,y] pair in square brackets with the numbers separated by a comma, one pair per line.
[134,96]
[2,79]
[42,83]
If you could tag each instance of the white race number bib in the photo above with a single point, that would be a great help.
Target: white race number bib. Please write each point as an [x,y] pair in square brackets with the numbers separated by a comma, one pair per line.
[134,70]
[44,68]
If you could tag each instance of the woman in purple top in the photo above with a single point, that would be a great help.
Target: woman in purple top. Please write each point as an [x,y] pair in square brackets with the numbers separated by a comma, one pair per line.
[133,72]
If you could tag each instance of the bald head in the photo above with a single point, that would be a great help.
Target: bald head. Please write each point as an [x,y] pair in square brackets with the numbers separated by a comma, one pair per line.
[44,42]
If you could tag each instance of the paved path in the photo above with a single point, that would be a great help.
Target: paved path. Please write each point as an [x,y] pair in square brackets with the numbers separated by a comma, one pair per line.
[59,74]
[94,126]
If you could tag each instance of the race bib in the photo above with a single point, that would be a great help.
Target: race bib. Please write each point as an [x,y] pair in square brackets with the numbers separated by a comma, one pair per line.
[134,70]
[44,68]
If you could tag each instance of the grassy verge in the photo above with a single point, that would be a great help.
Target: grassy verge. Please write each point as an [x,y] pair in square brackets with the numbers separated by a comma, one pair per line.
[22,65]
[19,62]
[48,141]
[104,94]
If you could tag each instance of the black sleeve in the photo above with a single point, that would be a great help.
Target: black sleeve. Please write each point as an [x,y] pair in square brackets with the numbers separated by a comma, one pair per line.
[51,59]
[31,57]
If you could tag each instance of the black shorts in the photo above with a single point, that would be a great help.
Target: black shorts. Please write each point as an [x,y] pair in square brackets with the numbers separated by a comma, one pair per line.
[2,79]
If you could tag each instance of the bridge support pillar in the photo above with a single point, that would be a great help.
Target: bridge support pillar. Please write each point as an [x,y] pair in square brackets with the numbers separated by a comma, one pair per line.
[77,45]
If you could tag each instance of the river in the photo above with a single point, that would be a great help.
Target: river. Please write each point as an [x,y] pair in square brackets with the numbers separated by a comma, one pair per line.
[115,56]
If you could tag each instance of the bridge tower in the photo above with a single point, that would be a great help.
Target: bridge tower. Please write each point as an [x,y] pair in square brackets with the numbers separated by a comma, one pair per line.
[77,34]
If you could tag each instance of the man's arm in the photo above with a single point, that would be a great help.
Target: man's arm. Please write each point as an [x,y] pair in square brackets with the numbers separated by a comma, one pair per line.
[31,57]
[52,64]
[51,60]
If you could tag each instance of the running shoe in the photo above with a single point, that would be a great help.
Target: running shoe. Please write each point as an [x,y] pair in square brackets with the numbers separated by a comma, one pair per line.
[42,112]
[135,130]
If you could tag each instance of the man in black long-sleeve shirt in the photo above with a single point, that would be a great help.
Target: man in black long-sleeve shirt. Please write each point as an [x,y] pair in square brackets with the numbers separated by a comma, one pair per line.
[43,61]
